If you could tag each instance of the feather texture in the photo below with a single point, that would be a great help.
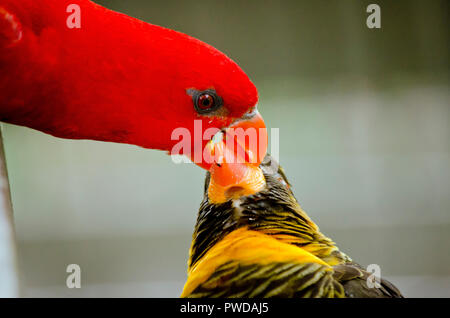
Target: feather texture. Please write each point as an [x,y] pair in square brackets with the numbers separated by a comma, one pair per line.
[115,78]
[265,245]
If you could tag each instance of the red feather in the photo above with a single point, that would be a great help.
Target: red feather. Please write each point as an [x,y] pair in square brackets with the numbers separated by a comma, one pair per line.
[115,79]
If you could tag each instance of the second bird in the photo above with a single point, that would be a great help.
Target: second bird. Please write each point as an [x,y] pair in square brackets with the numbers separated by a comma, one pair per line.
[264,245]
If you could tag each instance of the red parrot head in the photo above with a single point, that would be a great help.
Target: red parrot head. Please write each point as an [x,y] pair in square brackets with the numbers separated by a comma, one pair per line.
[114,78]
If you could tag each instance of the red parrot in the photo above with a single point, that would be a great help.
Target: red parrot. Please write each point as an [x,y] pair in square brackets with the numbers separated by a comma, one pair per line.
[111,77]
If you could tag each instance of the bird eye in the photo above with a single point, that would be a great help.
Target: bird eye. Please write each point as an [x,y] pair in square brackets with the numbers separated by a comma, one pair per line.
[206,101]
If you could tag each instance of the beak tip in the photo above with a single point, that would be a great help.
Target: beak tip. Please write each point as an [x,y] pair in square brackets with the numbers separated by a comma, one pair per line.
[235,158]
[251,127]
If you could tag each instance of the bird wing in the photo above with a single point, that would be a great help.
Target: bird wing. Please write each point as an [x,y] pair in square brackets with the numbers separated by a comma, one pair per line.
[354,279]
[250,264]
[278,279]
[247,263]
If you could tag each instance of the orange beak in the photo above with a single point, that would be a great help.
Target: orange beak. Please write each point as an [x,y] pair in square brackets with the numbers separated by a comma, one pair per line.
[246,138]
[237,153]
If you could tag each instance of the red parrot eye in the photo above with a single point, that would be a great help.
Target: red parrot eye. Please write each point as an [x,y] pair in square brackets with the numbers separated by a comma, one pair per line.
[206,101]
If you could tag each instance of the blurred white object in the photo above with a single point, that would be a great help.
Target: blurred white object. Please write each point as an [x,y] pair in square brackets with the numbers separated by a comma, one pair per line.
[9,286]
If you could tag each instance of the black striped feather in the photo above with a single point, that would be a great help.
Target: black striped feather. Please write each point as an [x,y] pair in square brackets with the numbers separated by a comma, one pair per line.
[283,280]
[276,213]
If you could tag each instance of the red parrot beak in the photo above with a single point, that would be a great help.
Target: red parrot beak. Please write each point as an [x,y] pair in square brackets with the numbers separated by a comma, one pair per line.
[246,139]
[237,152]
[250,136]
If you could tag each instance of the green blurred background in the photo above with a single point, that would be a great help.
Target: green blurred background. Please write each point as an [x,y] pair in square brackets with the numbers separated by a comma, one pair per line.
[364,119]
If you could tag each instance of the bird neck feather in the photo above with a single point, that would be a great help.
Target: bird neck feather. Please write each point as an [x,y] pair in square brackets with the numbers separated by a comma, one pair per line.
[275,213]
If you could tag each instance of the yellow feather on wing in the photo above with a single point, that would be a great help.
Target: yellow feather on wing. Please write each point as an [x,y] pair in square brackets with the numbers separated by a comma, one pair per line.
[252,256]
